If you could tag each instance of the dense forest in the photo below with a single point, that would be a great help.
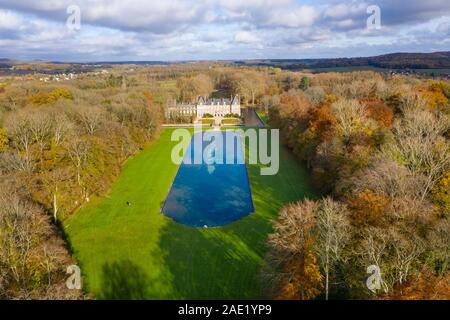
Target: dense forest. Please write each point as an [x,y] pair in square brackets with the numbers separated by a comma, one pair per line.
[377,148]
[380,153]
[59,146]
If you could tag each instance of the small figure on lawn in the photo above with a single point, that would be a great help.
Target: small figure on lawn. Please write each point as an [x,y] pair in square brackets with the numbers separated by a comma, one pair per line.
[129,203]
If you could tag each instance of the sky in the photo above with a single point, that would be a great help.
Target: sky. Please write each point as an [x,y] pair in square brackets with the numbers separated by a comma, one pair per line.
[173,30]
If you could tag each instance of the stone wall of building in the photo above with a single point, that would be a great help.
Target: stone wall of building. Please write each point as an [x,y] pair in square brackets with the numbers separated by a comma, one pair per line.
[217,108]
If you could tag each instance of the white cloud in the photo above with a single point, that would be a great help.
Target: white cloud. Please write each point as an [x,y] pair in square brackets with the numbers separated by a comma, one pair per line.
[303,16]
[246,37]
[9,20]
[343,10]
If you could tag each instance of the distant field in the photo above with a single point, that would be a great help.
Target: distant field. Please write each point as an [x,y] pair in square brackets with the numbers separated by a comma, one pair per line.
[134,252]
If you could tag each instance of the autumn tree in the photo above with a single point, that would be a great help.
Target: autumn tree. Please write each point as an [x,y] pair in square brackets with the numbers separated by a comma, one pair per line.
[268,102]
[425,286]
[249,85]
[42,98]
[377,110]
[192,87]
[367,208]
[289,81]
[291,268]
[434,95]
[350,117]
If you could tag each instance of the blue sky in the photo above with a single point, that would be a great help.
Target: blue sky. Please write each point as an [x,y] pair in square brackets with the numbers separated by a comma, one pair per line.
[219,29]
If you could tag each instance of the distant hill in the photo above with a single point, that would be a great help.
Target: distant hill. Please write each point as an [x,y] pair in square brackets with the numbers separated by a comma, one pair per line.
[435,60]
[6,63]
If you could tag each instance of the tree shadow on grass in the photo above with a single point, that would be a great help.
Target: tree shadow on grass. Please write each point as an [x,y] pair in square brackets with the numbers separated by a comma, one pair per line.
[211,263]
[123,280]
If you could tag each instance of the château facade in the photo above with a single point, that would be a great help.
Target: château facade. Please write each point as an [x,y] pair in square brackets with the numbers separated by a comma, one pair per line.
[218,108]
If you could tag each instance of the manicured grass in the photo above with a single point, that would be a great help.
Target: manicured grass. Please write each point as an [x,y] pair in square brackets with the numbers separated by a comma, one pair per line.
[231,121]
[135,252]
[206,121]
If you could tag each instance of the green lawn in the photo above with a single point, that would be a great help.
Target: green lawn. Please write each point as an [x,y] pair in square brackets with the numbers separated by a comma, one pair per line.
[263,116]
[135,252]
[231,121]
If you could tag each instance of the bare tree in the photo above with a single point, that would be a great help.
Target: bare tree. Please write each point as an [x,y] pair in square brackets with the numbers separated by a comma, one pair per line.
[421,143]
[78,152]
[11,161]
[40,125]
[373,249]
[90,118]
[384,177]
[192,87]
[333,232]
[61,127]
[17,238]
[19,129]
[406,251]
[315,95]
[249,85]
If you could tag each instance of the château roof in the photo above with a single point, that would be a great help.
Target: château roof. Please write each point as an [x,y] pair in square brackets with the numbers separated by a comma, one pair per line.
[220,101]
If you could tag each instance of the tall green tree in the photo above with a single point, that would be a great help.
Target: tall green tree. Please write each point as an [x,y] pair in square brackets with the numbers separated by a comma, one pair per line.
[304,83]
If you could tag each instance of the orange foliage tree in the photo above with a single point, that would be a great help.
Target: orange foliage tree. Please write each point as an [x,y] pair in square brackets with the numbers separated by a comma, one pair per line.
[377,110]
[291,270]
[367,208]
[433,93]
[426,286]
[322,122]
